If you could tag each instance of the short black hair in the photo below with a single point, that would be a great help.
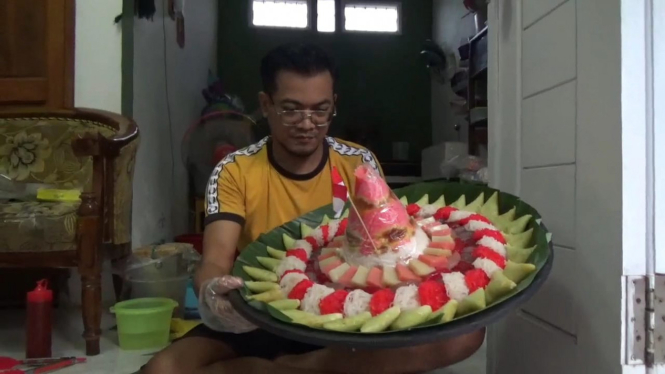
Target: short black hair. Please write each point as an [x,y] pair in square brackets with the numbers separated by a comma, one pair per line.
[305,59]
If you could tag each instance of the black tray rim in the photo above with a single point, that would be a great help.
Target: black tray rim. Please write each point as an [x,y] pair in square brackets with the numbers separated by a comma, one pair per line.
[397,339]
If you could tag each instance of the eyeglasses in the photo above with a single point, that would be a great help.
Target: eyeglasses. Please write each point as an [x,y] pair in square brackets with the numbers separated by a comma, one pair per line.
[320,118]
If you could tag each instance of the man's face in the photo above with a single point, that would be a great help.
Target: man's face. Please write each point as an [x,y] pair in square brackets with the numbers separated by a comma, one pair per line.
[298,92]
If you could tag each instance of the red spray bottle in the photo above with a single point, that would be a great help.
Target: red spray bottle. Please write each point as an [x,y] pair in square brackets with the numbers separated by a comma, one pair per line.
[39,321]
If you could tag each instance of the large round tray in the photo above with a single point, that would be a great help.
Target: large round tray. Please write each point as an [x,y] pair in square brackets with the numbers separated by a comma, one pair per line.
[543,259]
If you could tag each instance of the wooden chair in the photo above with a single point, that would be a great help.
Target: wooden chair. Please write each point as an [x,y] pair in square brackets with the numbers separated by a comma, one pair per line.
[83,149]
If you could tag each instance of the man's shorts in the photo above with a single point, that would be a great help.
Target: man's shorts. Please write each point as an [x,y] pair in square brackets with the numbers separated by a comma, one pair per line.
[257,343]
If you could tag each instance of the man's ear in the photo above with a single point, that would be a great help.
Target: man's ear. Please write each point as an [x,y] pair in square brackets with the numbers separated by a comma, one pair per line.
[264,101]
[335,98]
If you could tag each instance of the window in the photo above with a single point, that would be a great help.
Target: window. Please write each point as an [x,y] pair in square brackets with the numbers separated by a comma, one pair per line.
[325,21]
[359,15]
[284,13]
[372,17]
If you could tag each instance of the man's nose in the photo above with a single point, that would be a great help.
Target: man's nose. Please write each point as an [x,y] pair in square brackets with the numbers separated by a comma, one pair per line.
[307,123]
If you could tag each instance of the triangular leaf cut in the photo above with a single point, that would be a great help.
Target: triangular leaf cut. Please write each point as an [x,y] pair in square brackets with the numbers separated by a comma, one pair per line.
[275,253]
[498,287]
[459,203]
[491,207]
[503,220]
[517,272]
[440,202]
[305,230]
[519,240]
[289,242]
[518,225]
[472,303]
[476,204]
[423,200]
[519,254]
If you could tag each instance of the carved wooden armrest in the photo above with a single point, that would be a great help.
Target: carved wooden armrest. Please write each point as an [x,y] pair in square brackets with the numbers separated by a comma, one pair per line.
[126,130]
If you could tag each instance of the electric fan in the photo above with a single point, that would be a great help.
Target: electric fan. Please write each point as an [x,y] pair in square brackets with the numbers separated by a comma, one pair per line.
[209,140]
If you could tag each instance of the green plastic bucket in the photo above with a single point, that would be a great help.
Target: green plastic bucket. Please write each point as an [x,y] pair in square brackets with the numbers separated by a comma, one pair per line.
[144,323]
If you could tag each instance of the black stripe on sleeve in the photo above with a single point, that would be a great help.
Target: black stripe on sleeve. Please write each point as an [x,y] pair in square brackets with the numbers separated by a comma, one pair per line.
[224,216]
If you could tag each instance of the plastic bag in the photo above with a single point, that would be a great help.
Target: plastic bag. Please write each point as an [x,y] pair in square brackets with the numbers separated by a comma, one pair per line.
[468,168]
[216,310]
[380,231]
[13,190]
[159,261]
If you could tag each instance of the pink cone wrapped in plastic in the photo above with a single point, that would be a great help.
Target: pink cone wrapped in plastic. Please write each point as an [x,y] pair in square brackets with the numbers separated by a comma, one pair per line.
[379,231]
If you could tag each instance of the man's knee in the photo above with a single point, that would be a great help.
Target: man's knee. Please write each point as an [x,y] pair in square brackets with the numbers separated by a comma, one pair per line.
[189,356]
[165,362]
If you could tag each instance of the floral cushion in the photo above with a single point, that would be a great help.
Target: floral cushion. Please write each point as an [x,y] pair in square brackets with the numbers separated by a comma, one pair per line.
[38,151]
[37,226]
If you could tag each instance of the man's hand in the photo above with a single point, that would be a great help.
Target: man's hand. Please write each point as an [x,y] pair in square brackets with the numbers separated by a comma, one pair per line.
[215,308]
[213,279]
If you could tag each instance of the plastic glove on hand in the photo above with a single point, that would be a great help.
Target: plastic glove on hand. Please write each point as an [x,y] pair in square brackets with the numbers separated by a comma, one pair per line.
[216,310]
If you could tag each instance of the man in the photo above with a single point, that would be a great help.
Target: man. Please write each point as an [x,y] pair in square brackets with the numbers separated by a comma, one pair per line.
[260,187]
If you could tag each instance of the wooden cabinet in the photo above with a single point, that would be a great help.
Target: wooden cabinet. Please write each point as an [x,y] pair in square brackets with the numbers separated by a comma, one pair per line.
[37,54]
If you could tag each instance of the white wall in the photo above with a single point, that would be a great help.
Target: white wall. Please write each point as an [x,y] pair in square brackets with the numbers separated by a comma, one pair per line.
[161,68]
[160,200]
[97,85]
[556,142]
[449,29]
[98,54]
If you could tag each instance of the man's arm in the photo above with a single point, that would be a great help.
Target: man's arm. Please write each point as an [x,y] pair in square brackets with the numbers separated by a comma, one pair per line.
[220,241]
[225,215]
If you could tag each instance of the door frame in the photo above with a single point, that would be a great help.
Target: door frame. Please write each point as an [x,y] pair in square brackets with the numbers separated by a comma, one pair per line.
[495,134]
[643,164]
[656,126]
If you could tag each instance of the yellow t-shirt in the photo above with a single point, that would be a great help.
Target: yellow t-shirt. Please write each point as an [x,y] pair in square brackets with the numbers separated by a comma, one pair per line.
[250,188]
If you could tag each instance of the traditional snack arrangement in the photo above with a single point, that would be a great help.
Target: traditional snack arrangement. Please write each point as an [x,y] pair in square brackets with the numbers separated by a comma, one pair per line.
[389,265]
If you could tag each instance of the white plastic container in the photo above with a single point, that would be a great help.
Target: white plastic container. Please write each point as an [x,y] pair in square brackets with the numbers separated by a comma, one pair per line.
[174,288]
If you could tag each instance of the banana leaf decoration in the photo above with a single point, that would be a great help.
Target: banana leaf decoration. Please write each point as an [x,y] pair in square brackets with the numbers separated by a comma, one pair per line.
[527,250]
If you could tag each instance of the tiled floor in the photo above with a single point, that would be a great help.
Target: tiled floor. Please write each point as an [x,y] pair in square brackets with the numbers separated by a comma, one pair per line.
[67,341]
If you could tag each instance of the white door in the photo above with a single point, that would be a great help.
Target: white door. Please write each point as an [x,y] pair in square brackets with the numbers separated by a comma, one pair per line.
[570,115]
